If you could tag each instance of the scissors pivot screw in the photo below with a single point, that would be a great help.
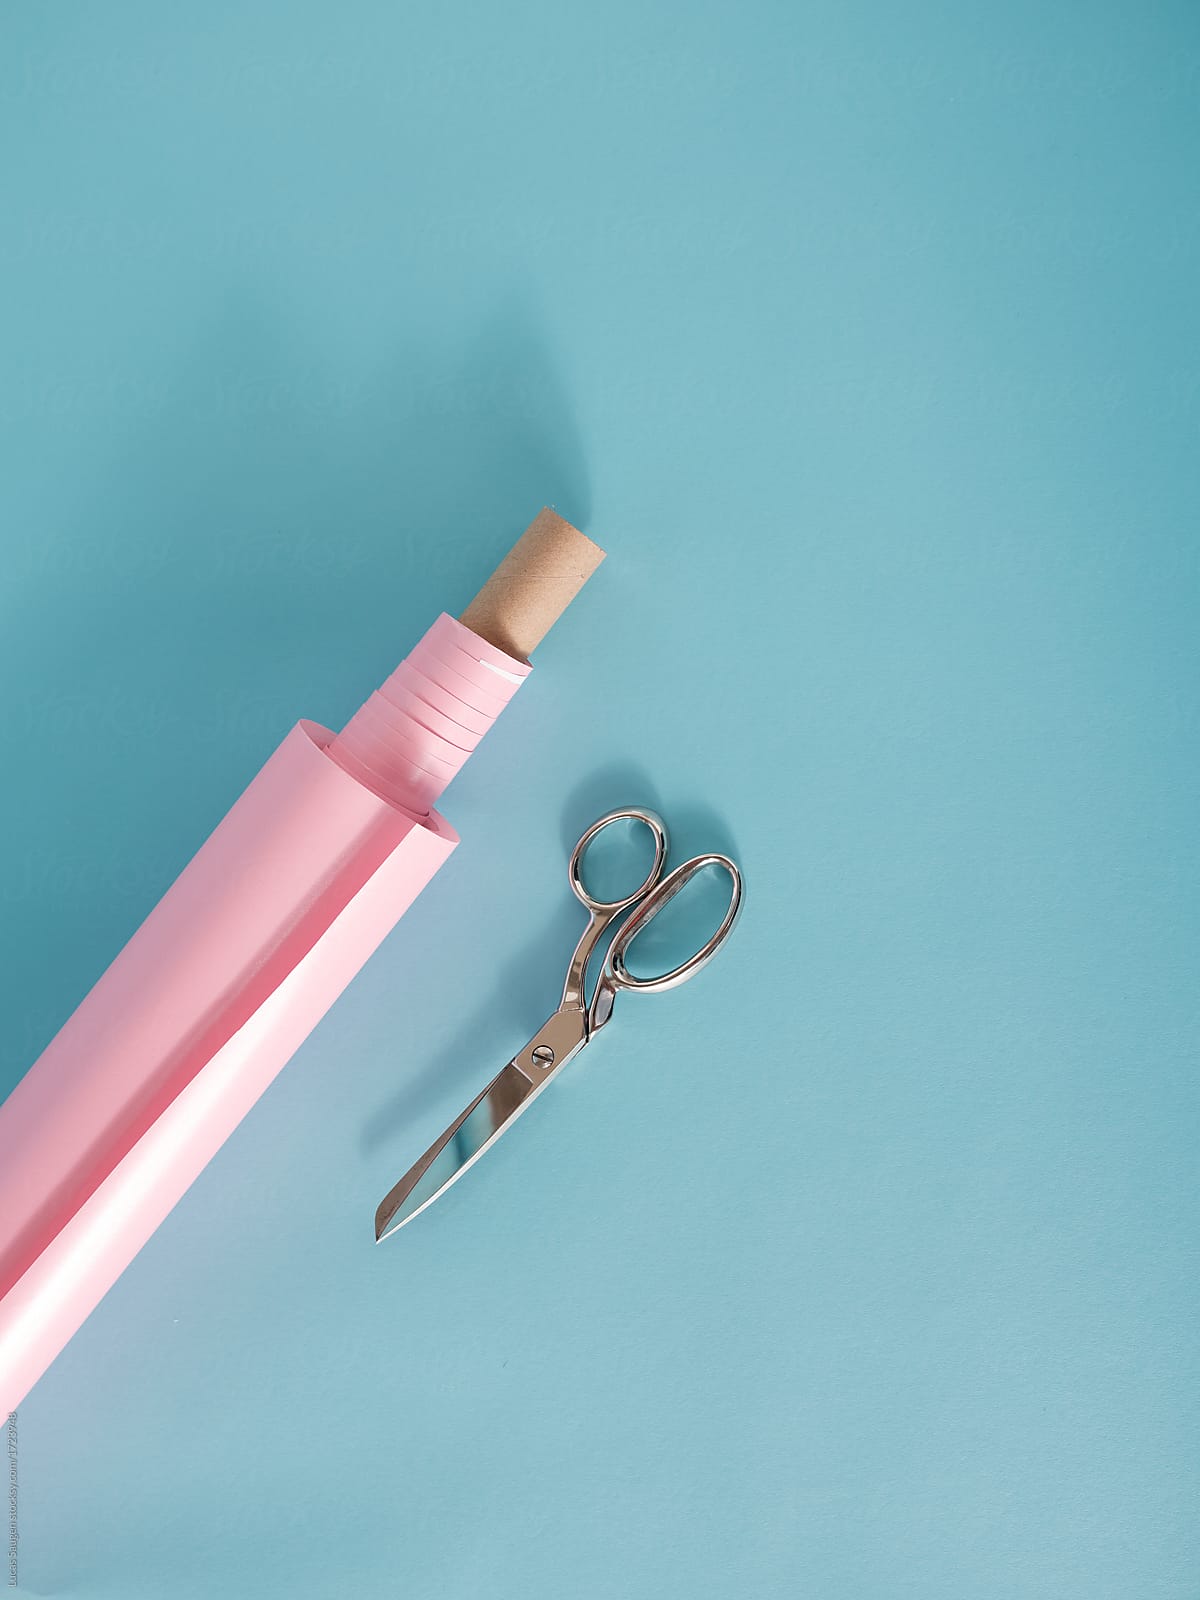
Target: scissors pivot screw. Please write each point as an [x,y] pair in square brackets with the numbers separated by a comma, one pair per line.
[543,1055]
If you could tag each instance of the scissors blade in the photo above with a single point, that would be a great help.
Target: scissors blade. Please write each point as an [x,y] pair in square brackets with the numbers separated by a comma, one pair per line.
[513,1088]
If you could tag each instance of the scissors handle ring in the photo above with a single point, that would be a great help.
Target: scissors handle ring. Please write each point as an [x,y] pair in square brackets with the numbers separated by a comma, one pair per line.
[658,831]
[622,978]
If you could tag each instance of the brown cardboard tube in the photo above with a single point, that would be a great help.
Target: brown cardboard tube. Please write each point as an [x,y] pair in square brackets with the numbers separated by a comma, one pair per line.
[533,585]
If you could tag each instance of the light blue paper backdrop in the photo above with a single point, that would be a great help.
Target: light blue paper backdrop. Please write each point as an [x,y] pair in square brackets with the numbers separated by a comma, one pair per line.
[865,338]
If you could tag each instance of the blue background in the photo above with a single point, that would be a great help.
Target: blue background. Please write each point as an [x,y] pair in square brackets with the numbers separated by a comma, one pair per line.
[865,338]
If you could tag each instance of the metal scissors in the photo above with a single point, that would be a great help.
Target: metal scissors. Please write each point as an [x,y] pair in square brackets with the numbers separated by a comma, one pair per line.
[576,1022]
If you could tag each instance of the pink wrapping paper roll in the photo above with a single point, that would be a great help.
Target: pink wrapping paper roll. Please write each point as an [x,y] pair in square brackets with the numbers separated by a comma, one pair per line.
[245,953]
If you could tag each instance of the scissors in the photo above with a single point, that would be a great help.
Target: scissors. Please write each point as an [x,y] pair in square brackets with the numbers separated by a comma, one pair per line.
[576,1022]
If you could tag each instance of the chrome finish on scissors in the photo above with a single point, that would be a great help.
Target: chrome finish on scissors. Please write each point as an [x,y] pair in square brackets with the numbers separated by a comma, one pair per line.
[575,1023]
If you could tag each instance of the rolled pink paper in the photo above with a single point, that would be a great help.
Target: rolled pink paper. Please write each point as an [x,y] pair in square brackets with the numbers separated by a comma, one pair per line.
[230,972]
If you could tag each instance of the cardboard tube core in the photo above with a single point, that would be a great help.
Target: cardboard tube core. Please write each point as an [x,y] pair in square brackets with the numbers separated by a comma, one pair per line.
[533,585]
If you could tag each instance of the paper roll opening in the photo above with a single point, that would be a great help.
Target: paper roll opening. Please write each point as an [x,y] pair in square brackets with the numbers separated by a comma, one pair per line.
[533,585]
